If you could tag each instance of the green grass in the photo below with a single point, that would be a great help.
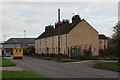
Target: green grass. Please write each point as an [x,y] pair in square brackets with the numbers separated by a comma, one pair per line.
[6,62]
[67,60]
[47,58]
[112,65]
[22,75]
[56,59]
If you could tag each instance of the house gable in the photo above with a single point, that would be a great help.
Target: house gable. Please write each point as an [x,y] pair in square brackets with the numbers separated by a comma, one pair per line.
[84,34]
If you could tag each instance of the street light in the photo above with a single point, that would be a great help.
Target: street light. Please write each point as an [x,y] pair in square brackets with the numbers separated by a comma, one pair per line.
[24,34]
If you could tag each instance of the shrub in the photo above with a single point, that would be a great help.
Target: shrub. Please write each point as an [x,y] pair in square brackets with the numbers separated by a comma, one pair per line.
[83,57]
[75,57]
[88,53]
[80,57]
[67,60]
[107,52]
[102,52]
[29,51]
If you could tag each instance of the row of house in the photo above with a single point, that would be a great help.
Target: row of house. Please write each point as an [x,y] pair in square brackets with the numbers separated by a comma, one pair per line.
[75,38]
[12,43]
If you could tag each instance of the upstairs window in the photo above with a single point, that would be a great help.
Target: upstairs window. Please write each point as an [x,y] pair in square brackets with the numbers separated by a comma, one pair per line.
[100,41]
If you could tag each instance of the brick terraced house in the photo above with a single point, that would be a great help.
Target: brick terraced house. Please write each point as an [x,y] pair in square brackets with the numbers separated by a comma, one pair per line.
[103,42]
[75,38]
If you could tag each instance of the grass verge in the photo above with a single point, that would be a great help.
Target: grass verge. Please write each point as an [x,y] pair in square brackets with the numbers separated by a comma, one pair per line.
[115,66]
[44,58]
[47,58]
[56,59]
[20,75]
[67,60]
[6,62]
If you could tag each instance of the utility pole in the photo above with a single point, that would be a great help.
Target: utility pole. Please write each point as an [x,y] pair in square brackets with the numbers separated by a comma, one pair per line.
[58,34]
[24,34]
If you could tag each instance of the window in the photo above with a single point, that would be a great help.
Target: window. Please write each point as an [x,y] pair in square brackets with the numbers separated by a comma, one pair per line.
[19,50]
[100,41]
[64,39]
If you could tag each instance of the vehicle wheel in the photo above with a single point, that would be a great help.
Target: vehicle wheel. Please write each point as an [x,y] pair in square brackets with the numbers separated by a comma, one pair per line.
[21,57]
[14,58]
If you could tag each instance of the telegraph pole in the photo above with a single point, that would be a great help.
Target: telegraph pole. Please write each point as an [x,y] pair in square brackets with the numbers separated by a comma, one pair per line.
[58,34]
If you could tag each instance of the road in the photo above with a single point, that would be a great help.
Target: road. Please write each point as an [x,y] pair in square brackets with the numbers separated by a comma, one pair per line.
[54,69]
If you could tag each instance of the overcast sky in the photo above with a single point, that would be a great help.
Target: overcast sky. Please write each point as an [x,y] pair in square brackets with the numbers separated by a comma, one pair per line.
[15,17]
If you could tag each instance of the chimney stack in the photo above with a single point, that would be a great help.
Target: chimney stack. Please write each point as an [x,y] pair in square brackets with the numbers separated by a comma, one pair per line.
[76,18]
[58,15]
[49,28]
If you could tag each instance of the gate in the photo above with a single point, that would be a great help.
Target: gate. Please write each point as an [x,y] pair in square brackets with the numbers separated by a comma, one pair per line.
[75,51]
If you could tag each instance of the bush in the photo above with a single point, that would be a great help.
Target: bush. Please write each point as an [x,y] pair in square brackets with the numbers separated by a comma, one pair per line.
[67,60]
[113,58]
[88,53]
[102,52]
[81,57]
[109,52]
[29,51]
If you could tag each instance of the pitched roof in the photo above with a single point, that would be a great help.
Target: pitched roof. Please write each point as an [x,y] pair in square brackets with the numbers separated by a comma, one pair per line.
[63,30]
[102,36]
[20,41]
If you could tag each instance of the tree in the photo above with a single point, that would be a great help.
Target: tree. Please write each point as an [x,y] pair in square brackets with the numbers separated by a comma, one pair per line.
[31,50]
[116,38]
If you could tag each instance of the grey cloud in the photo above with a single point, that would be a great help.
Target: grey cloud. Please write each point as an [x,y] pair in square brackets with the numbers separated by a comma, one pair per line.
[32,21]
[59,1]
[33,18]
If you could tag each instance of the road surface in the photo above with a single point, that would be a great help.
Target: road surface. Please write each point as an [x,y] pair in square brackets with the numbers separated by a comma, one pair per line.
[54,69]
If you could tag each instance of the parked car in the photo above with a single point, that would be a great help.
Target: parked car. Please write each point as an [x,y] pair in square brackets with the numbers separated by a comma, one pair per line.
[7,54]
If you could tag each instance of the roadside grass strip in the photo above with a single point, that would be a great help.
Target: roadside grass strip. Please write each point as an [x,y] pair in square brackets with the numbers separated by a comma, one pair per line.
[115,66]
[20,75]
[48,58]
[5,62]
[56,59]
[67,60]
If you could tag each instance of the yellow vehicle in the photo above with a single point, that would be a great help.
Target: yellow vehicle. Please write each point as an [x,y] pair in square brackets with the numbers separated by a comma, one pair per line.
[18,53]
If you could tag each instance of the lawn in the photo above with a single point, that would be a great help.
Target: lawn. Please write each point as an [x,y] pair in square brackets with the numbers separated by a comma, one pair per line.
[6,62]
[17,75]
[109,65]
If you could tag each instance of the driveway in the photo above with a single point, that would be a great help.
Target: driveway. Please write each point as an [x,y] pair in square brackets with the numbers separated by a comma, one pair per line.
[54,69]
